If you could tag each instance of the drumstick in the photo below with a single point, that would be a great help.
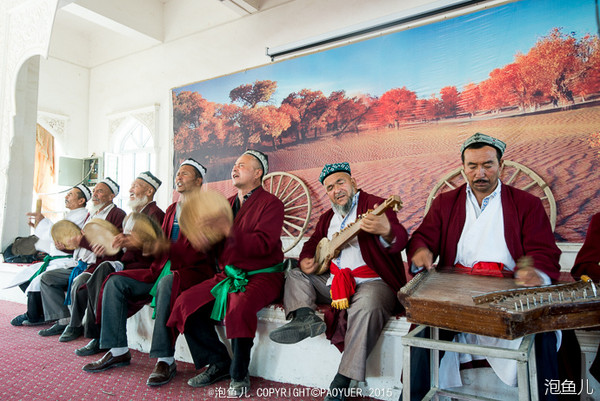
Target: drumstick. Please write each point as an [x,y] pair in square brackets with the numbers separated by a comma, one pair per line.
[38,210]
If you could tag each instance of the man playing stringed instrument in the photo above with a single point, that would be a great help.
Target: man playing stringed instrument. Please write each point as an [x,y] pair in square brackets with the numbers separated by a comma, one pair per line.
[484,227]
[362,281]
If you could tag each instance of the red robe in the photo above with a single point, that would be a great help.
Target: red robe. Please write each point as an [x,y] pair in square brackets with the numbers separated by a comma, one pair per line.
[527,229]
[254,243]
[189,267]
[387,262]
[588,256]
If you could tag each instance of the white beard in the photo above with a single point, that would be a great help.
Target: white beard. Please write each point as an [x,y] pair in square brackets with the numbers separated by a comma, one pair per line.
[93,208]
[138,203]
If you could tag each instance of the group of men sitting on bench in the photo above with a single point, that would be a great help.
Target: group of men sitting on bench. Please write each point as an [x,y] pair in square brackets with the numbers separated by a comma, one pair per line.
[482,227]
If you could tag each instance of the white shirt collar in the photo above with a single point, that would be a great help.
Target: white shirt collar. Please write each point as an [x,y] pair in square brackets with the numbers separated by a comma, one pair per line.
[473,199]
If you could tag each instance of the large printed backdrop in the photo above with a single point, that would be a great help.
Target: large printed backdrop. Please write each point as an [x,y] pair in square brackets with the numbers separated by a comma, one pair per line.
[399,106]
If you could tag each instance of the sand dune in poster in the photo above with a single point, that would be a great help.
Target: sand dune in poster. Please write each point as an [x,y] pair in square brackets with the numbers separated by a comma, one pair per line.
[398,107]
[409,162]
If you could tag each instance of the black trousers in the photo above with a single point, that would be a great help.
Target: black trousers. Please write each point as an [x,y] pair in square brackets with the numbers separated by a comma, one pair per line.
[207,349]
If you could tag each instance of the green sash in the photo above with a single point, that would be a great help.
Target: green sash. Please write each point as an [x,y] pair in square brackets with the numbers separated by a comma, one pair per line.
[44,265]
[166,270]
[235,281]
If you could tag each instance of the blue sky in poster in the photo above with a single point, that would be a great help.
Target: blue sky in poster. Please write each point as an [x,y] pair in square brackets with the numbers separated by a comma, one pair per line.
[424,59]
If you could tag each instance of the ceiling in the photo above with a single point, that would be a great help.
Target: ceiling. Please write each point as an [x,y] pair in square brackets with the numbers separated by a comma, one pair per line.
[90,33]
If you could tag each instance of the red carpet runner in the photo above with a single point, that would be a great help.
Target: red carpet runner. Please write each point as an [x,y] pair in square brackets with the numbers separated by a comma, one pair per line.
[42,368]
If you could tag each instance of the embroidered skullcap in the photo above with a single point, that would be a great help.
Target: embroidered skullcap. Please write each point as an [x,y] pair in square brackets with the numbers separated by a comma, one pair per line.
[485,139]
[334,168]
[87,194]
[114,187]
[191,162]
[262,158]
[150,179]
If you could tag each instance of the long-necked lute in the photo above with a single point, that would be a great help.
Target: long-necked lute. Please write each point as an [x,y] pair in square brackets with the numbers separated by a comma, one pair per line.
[327,249]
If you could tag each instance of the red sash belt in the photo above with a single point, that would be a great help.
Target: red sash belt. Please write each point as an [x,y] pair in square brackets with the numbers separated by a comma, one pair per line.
[343,285]
[484,269]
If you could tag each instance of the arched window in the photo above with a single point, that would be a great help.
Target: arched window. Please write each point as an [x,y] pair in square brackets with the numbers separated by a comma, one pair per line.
[134,153]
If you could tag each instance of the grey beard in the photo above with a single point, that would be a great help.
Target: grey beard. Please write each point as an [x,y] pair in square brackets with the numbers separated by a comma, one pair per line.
[342,209]
[138,203]
[93,208]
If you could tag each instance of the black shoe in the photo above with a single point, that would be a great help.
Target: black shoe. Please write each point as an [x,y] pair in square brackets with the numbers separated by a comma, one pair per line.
[70,333]
[239,388]
[92,348]
[162,374]
[108,361]
[18,321]
[211,375]
[55,330]
[298,329]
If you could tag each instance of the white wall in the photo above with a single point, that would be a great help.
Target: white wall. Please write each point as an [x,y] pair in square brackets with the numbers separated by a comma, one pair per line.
[64,90]
[145,78]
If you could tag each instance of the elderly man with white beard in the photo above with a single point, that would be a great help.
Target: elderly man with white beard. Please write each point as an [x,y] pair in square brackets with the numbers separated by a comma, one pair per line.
[29,278]
[86,287]
[54,283]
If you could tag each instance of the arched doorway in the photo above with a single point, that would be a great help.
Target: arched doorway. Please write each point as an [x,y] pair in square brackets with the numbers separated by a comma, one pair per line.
[19,177]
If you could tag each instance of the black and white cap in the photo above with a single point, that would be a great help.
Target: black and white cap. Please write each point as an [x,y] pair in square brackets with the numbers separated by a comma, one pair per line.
[87,194]
[262,158]
[114,187]
[191,162]
[150,179]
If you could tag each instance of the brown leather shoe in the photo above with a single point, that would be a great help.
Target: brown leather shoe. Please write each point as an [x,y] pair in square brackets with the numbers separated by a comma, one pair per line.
[108,361]
[162,374]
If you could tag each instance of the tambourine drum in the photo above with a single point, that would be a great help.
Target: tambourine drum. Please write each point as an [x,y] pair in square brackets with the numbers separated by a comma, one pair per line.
[142,226]
[101,232]
[200,210]
[63,231]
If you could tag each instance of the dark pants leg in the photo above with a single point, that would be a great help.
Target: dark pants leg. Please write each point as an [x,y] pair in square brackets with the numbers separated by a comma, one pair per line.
[546,359]
[205,346]
[94,285]
[163,344]
[79,299]
[241,348]
[117,291]
[35,310]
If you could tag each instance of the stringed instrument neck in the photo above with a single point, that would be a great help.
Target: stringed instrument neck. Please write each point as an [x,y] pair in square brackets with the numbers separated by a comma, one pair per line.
[344,236]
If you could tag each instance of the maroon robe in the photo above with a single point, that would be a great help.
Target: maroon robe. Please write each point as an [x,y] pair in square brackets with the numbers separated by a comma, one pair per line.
[588,256]
[116,217]
[189,267]
[387,262]
[527,229]
[587,262]
[254,243]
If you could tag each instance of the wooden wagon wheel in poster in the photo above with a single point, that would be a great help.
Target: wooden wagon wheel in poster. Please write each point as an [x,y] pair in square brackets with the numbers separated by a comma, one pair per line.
[295,196]
[514,174]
